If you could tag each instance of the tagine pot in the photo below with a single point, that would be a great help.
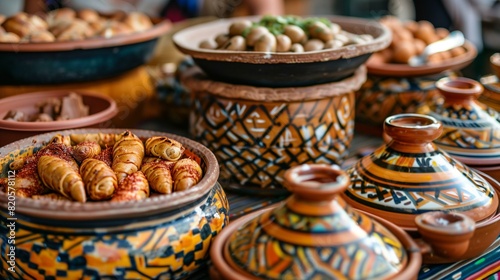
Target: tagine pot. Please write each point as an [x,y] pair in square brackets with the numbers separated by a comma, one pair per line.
[410,175]
[471,130]
[257,133]
[160,237]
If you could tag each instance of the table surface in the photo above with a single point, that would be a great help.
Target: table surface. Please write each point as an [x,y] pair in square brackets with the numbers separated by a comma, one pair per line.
[486,266]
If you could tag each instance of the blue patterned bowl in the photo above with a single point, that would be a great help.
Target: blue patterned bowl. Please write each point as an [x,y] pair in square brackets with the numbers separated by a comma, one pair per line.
[165,236]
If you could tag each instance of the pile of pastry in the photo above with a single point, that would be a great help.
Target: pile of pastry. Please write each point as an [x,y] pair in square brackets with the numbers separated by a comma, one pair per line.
[100,166]
[66,24]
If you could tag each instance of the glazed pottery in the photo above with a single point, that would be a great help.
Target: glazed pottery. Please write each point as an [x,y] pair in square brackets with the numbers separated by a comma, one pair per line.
[410,175]
[77,61]
[281,69]
[314,234]
[471,130]
[491,84]
[102,109]
[495,63]
[257,132]
[161,237]
[392,88]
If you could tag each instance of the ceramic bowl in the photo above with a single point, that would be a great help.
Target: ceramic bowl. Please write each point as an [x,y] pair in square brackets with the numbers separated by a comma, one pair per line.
[470,129]
[281,69]
[495,63]
[410,175]
[258,132]
[392,89]
[102,109]
[163,236]
[77,61]
[491,84]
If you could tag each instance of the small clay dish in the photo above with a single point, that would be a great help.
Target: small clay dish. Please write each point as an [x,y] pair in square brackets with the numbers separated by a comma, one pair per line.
[77,61]
[375,67]
[162,236]
[102,109]
[410,175]
[281,69]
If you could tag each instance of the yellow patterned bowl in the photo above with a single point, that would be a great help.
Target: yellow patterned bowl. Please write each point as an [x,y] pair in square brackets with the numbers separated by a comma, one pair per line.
[161,237]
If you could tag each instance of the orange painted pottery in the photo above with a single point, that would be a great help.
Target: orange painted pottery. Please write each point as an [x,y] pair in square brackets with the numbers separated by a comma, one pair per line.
[410,175]
[471,130]
[491,84]
[314,234]
[257,132]
[160,237]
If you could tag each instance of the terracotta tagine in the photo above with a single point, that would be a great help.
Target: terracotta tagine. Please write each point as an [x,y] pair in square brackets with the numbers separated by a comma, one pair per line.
[314,234]
[410,175]
[257,133]
[491,84]
[471,130]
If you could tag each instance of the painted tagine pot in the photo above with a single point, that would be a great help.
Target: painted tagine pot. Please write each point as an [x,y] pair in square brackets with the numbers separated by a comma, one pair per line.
[257,133]
[160,237]
[410,175]
[471,130]
[491,84]
[313,234]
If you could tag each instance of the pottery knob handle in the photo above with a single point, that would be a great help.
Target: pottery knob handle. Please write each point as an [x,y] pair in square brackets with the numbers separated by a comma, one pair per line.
[316,182]
[412,128]
[447,233]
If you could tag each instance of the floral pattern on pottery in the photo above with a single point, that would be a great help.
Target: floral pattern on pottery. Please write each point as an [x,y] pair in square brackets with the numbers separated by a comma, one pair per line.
[471,130]
[169,245]
[410,175]
[381,97]
[258,133]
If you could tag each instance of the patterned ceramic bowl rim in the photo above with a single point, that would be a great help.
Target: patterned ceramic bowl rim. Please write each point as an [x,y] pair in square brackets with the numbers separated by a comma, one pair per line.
[157,30]
[68,210]
[184,41]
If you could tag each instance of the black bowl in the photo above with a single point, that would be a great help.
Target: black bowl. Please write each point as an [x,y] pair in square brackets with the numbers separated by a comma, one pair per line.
[281,69]
[76,61]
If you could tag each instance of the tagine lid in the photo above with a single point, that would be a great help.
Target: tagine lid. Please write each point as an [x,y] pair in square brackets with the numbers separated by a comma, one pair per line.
[471,130]
[410,175]
[314,233]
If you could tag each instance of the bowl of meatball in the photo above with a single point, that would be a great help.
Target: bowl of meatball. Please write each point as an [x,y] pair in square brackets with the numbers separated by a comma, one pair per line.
[68,46]
[282,51]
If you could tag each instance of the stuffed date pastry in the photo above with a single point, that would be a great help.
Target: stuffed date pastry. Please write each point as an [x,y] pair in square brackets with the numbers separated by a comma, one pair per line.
[186,173]
[128,153]
[134,187]
[164,147]
[158,175]
[86,149]
[99,179]
[60,176]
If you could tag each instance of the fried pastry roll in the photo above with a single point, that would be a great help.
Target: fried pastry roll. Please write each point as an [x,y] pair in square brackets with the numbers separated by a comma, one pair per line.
[99,179]
[186,173]
[60,176]
[134,187]
[103,139]
[86,149]
[52,196]
[60,139]
[128,153]
[158,175]
[164,147]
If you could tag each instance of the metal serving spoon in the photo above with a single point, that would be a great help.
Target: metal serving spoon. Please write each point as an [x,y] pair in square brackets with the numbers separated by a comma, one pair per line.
[453,40]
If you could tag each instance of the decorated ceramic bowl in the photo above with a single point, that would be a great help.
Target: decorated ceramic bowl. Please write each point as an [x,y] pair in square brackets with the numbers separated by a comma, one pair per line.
[101,111]
[471,130]
[257,132]
[491,84]
[281,69]
[393,88]
[410,175]
[160,237]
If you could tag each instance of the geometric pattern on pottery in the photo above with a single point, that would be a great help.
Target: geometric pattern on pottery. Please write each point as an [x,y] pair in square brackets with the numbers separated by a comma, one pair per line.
[468,127]
[255,142]
[399,193]
[381,97]
[152,248]
[265,255]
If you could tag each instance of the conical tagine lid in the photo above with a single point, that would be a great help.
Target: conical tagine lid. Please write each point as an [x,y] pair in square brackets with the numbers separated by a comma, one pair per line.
[315,235]
[410,176]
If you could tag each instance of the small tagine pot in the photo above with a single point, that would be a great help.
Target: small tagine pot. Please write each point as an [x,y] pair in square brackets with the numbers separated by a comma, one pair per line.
[491,84]
[471,130]
[314,234]
[257,133]
[410,175]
